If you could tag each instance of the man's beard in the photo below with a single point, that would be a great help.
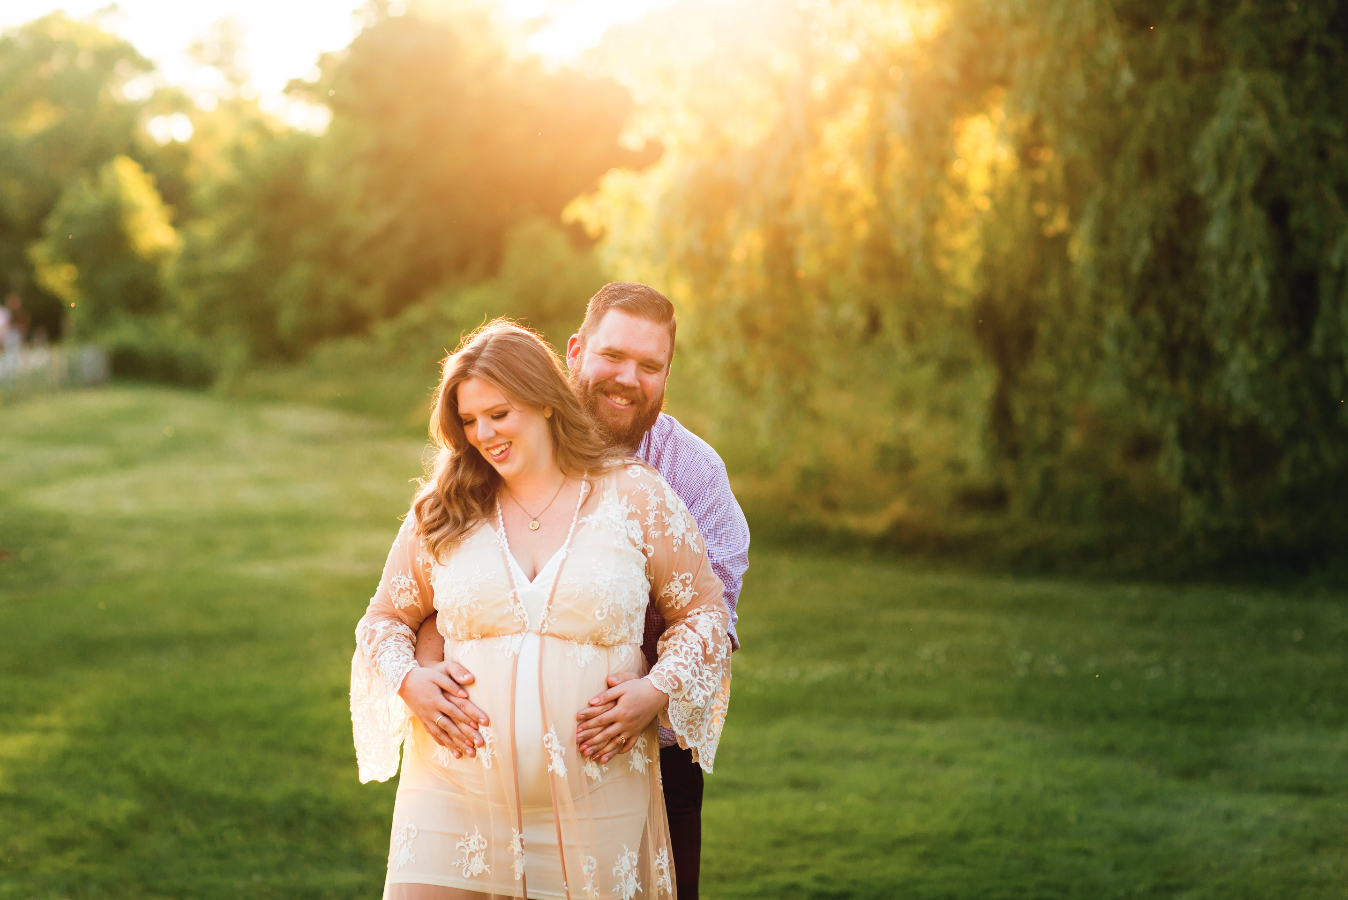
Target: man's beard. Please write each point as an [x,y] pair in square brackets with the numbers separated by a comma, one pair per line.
[627,434]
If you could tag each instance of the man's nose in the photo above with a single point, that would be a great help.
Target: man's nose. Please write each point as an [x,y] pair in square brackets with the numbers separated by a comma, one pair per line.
[627,374]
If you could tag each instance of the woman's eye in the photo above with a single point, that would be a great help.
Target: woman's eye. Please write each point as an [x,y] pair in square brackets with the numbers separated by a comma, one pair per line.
[499,416]
[468,423]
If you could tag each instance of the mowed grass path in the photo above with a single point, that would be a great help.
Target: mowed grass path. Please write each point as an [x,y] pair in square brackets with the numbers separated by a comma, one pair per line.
[176,615]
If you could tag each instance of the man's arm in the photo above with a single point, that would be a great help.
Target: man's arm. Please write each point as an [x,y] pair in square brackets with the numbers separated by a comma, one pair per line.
[704,487]
[430,642]
[430,651]
[724,530]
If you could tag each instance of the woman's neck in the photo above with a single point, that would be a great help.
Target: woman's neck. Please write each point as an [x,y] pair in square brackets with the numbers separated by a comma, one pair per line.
[544,482]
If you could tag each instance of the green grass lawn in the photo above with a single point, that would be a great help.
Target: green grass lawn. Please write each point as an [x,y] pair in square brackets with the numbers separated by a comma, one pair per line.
[183,575]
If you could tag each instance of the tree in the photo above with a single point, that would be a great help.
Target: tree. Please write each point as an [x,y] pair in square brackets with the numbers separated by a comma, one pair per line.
[62,116]
[1109,236]
[104,248]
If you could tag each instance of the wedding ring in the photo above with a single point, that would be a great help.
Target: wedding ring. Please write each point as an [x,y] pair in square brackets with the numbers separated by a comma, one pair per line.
[437,720]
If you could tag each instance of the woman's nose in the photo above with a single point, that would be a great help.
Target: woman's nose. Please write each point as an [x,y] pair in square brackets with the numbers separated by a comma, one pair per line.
[484,431]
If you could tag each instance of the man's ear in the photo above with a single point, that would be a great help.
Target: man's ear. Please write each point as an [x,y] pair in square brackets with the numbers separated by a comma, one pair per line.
[573,351]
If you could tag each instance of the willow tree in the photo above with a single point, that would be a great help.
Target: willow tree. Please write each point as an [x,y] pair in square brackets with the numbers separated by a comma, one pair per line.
[1110,237]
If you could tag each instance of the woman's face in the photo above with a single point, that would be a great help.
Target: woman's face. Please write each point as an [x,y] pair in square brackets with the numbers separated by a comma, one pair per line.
[514,439]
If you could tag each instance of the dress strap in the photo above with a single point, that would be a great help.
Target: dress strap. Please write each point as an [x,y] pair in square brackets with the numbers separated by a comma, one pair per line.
[566,552]
[507,557]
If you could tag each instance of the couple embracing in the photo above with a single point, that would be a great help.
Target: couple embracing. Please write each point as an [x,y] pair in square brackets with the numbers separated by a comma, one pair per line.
[550,641]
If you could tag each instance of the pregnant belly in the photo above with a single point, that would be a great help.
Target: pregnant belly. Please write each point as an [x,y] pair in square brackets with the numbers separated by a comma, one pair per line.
[570,675]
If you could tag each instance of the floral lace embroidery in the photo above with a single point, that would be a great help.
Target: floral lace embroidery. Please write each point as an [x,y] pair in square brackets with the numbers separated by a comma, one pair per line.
[474,850]
[379,717]
[458,596]
[694,671]
[556,753]
[663,882]
[403,591]
[402,845]
[639,759]
[616,514]
[583,653]
[679,522]
[517,851]
[679,590]
[442,755]
[591,892]
[626,870]
[594,770]
[487,753]
[622,597]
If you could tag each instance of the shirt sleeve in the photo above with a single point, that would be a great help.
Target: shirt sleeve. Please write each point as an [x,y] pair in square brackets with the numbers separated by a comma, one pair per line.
[725,532]
[693,662]
[385,644]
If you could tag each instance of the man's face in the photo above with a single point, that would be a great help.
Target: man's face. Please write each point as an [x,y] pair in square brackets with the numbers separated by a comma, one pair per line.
[620,374]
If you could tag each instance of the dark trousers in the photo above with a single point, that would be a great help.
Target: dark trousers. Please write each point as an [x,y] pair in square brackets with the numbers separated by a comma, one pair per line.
[683,802]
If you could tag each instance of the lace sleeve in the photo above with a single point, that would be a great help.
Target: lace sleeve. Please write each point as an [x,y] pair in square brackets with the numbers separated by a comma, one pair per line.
[385,639]
[693,655]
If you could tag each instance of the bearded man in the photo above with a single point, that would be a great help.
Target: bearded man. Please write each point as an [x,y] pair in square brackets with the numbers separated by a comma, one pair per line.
[619,362]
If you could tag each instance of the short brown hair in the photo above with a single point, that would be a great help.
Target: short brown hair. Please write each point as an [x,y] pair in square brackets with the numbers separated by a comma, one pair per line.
[634,299]
[461,490]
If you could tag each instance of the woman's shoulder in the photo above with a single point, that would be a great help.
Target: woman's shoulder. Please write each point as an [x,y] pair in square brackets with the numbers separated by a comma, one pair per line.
[627,474]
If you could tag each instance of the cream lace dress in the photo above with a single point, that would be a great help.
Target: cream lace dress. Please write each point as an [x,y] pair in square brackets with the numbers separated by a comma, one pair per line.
[529,817]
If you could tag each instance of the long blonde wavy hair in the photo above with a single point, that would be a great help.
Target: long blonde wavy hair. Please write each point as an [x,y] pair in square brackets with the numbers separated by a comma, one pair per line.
[461,488]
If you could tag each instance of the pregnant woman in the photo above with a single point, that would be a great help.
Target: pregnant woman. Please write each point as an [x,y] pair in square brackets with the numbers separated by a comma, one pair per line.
[540,551]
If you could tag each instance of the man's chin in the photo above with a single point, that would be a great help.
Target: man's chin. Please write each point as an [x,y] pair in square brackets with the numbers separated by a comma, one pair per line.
[625,428]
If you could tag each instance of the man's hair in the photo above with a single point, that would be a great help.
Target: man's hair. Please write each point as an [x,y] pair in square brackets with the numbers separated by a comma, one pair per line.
[635,300]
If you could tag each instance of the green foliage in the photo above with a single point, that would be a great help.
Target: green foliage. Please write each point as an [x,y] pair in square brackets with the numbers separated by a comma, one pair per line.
[1105,241]
[183,575]
[1068,280]
[104,245]
[392,371]
[62,118]
[409,191]
[251,277]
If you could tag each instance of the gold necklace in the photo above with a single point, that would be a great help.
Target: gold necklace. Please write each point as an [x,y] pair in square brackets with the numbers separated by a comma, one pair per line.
[533,524]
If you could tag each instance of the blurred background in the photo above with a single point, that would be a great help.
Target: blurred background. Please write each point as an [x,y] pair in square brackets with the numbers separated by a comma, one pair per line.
[1022,328]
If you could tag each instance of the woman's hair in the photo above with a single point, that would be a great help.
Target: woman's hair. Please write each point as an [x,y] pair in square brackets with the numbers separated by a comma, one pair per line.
[461,488]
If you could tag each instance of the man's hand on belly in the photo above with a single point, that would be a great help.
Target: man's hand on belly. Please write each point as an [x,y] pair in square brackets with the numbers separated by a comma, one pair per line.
[431,644]
[613,720]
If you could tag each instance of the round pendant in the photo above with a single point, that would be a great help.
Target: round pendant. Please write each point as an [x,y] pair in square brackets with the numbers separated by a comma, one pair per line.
[533,526]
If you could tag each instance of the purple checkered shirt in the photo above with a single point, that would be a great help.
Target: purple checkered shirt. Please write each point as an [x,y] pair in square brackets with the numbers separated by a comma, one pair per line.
[697,475]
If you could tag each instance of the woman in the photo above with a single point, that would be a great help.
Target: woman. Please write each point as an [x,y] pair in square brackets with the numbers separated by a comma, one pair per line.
[540,551]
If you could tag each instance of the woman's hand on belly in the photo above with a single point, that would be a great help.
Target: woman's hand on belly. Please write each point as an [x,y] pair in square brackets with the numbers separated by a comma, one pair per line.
[444,709]
[612,721]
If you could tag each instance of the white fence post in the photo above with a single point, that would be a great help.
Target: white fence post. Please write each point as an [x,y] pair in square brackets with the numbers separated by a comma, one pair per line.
[32,370]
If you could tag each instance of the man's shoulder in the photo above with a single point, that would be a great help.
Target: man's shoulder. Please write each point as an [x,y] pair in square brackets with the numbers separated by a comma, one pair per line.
[671,445]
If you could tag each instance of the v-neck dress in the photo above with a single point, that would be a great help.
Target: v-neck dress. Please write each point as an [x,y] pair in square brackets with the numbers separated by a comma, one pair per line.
[529,817]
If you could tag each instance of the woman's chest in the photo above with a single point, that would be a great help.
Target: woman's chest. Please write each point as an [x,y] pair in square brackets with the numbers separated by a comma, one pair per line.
[595,591]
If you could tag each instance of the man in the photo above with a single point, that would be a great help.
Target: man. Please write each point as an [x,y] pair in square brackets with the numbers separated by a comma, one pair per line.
[619,363]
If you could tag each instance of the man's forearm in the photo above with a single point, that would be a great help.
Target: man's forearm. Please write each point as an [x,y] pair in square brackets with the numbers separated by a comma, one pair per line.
[430,643]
